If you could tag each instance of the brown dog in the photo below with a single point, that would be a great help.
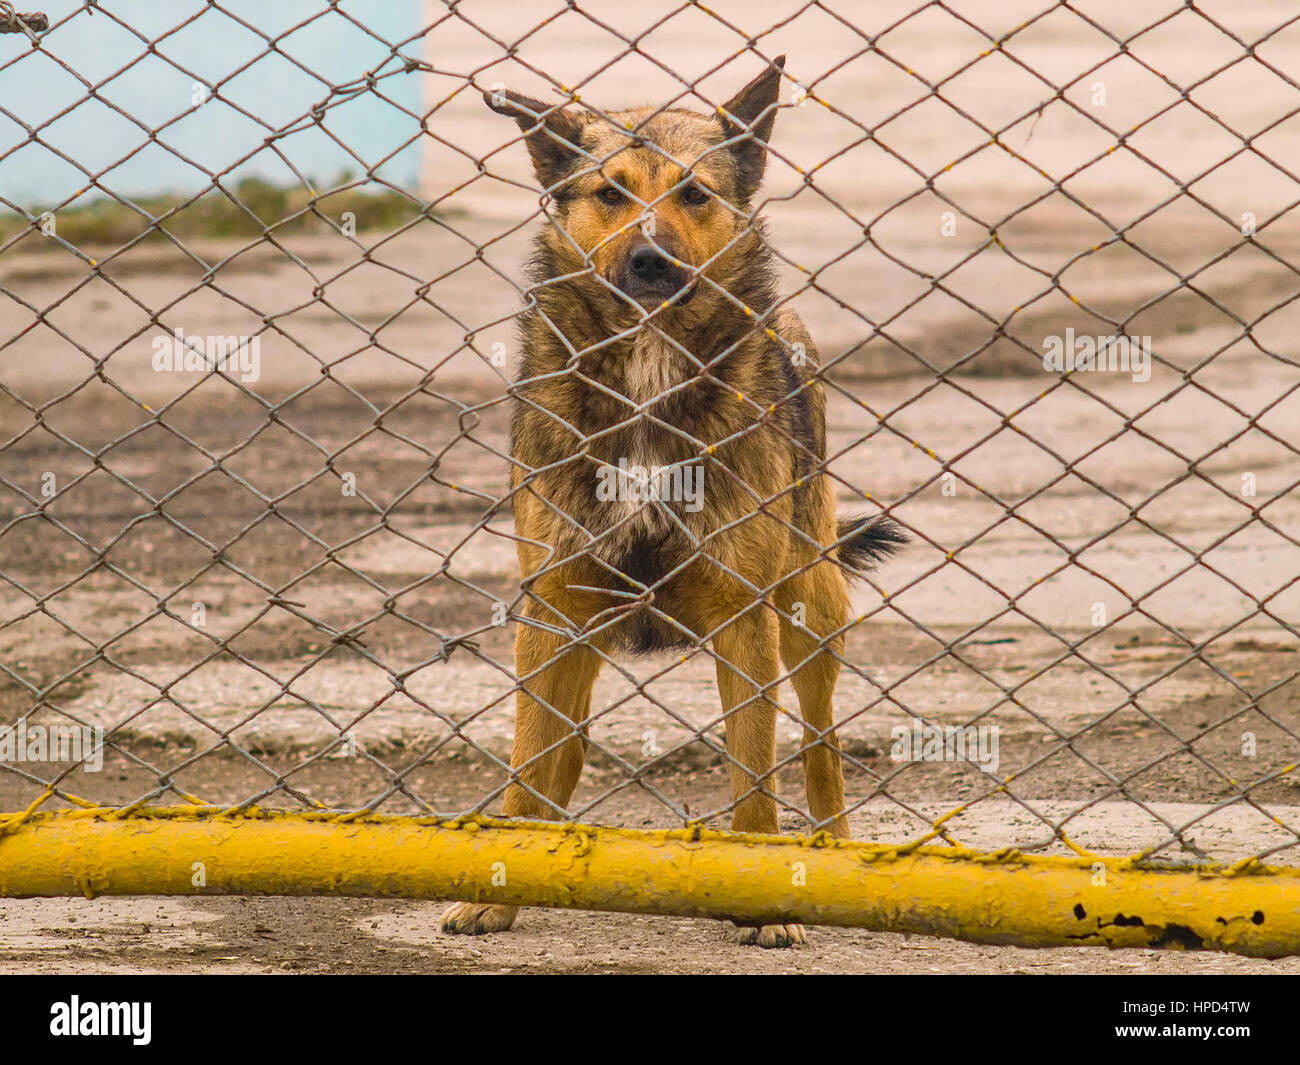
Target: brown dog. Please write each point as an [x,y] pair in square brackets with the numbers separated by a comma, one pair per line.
[668,445]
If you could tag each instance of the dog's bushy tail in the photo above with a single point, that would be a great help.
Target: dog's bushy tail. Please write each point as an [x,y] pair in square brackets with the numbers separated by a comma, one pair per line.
[865,541]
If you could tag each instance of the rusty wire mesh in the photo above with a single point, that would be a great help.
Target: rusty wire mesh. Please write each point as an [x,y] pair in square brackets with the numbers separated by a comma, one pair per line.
[300,590]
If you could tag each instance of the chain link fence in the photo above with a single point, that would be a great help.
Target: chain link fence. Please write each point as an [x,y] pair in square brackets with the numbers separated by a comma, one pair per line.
[256,532]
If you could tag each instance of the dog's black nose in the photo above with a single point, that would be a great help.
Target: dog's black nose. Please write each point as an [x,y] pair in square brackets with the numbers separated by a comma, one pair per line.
[648,264]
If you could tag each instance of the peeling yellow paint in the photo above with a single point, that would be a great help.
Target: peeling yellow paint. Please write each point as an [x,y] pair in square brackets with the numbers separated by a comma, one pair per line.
[1005,897]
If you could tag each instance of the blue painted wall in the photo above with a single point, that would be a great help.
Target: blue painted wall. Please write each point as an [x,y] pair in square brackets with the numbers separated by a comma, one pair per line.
[215,48]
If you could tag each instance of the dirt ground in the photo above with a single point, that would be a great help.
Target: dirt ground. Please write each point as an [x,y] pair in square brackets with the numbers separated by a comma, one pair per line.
[260,935]
[1095,580]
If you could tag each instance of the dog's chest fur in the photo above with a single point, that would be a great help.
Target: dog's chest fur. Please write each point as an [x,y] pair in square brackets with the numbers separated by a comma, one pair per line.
[651,367]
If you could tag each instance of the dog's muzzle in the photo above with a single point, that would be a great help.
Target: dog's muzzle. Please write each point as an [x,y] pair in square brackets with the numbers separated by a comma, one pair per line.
[651,278]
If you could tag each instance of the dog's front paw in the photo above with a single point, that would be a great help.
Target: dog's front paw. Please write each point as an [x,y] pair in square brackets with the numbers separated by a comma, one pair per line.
[477,918]
[772,935]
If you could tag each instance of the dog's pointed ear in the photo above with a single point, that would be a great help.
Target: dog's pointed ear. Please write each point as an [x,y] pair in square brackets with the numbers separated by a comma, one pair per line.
[553,135]
[750,114]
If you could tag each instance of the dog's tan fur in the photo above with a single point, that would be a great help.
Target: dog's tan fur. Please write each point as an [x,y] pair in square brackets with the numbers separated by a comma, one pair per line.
[704,375]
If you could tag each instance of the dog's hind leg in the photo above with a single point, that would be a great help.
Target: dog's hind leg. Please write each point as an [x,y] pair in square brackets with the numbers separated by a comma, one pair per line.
[812,653]
[746,651]
[551,706]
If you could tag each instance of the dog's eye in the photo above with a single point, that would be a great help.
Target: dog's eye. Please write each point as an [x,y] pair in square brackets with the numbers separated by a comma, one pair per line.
[694,195]
[610,194]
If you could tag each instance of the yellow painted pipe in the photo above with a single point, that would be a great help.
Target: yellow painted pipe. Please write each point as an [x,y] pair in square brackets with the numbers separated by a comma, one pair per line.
[1003,898]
